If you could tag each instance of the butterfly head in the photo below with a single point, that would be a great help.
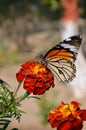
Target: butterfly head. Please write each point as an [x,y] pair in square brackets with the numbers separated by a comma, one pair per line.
[42,59]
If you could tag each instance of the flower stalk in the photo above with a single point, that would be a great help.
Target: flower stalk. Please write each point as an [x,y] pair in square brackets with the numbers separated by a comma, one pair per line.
[26,95]
[17,89]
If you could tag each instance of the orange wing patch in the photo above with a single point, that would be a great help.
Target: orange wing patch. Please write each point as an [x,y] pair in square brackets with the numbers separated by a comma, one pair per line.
[62,54]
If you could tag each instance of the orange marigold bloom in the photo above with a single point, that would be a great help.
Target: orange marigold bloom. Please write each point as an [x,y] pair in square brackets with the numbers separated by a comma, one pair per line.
[67,116]
[37,77]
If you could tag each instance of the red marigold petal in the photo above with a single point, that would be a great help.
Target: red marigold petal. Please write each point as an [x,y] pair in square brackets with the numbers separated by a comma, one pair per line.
[29,84]
[26,65]
[52,120]
[77,124]
[44,78]
[39,91]
[31,80]
[55,118]
[29,87]
[67,125]
[76,104]
[50,75]
[39,84]
[20,76]
[82,114]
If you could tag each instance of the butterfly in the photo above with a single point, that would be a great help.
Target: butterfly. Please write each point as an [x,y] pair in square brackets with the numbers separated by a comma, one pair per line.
[61,58]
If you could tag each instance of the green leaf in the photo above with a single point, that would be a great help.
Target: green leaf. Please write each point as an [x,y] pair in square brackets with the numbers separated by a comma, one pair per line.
[9,104]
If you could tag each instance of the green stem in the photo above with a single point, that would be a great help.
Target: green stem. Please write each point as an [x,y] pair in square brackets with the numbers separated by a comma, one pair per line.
[26,94]
[17,89]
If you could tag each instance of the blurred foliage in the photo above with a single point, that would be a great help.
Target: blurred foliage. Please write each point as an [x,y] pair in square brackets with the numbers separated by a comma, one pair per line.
[6,56]
[2,53]
[21,17]
[13,8]
[54,4]
[16,8]
[82,5]
[50,8]
[13,57]
[2,49]
[45,106]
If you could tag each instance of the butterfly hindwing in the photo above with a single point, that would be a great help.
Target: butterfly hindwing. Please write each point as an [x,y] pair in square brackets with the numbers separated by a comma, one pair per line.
[61,58]
[63,69]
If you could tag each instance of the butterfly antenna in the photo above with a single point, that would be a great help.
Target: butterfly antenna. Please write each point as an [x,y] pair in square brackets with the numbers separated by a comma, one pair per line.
[32,51]
[38,56]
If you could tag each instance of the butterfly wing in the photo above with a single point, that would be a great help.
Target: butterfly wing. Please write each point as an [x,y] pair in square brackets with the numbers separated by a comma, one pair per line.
[61,58]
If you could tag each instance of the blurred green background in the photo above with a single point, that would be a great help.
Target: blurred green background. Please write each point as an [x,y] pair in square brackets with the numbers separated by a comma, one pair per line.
[49,9]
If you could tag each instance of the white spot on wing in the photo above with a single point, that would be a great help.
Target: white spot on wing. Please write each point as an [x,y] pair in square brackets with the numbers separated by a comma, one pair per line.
[71,47]
[68,39]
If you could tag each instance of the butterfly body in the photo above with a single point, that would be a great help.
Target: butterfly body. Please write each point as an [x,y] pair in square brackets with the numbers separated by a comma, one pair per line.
[61,58]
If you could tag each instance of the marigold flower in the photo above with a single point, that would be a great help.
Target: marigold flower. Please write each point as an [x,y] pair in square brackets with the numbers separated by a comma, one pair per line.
[37,77]
[67,116]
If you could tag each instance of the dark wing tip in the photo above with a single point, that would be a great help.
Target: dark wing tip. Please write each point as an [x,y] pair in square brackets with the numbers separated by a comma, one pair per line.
[76,38]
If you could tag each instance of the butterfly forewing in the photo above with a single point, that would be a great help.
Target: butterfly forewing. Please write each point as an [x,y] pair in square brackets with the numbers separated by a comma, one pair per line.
[61,58]
[59,53]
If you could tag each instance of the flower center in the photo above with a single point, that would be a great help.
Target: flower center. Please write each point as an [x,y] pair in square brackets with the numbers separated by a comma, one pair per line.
[38,68]
[66,111]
